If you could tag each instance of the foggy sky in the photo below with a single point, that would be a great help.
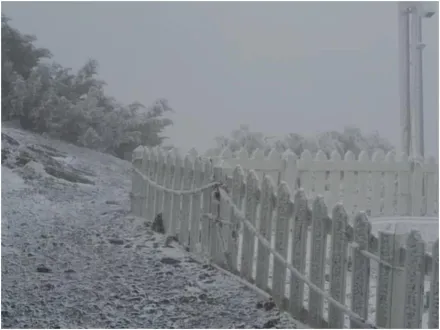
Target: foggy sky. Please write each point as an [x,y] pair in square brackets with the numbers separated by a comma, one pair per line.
[279,67]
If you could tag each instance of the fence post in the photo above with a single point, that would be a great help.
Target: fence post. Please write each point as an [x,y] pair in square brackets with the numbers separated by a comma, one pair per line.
[267,206]
[335,179]
[376,184]
[431,186]
[349,184]
[145,165]
[206,208]
[289,173]
[433,294]
[403,186]
[338,265]
[299,251]
[236,192]
[416,188]
[397,283]
[414,280]
[284,211]
[137,183]
[389,185]
[167,196]
[215,244]
[177,185]
[153,177]
[361,269]
[317,267]
[188,176]
[384,287]
[195,206]
[247,257]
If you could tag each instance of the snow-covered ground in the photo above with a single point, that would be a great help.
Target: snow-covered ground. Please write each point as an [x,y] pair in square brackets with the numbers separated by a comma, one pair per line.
[74,257]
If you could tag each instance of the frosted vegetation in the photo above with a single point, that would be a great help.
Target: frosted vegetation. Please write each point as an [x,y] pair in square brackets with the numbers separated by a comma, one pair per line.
[350,139]
[73,106]
[49,98]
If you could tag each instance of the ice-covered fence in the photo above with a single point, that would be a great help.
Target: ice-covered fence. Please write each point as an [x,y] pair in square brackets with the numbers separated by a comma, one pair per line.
[296,253]
[381,185]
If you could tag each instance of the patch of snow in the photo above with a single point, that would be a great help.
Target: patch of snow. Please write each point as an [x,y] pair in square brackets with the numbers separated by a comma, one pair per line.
[11,180]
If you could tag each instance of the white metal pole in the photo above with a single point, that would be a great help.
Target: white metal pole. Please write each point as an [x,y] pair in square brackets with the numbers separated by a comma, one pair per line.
[420,46]
[415,83]
[404,77]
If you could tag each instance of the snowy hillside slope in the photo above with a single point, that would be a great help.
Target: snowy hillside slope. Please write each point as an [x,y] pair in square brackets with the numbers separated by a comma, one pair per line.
[74,257]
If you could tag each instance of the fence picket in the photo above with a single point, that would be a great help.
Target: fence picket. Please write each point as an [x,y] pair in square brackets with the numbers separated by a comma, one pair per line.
[215,249]
[247,257]
[320,176]
[206,209]
[188,178]
[299,251]
[389,185]
[266,213]
[317,262]
[137,188]
[305,177]
[236,196]
[175,216]
[376,184]
[431,188]
[338,265]
[167,196]
[290,173]
[414,280]
[403,186]
[152,190]
[349,184]
[398,283]
[361,268]
[159,180]
[284,210]
[196,206]
[144,193]
[433,294]
[335,180]
[387,253]
[362,184]
[416,189]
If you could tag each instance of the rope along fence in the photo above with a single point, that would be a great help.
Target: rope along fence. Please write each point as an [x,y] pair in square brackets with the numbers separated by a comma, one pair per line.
[216,215]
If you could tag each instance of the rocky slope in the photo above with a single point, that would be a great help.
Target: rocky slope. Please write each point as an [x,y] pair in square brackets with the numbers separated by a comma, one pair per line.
[74,257]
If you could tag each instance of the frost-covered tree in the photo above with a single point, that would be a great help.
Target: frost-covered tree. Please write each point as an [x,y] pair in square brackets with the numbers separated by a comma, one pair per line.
[19,57]
[350,139]
[72,106]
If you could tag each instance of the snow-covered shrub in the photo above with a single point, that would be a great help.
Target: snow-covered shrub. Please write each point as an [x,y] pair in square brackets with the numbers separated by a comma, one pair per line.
[51,99]
[350,139]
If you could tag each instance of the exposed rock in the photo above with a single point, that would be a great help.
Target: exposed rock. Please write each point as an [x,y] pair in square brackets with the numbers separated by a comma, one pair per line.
[170,261]
[43,269]
[67,175]
[271,323]
[269,305]
[158,224]
[116,241]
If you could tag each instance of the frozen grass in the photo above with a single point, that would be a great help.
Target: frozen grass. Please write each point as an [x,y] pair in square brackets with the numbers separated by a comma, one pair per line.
[73,257]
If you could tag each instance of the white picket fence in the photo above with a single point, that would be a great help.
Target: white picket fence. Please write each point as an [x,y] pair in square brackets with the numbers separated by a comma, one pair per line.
[299,255]
[382,186]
